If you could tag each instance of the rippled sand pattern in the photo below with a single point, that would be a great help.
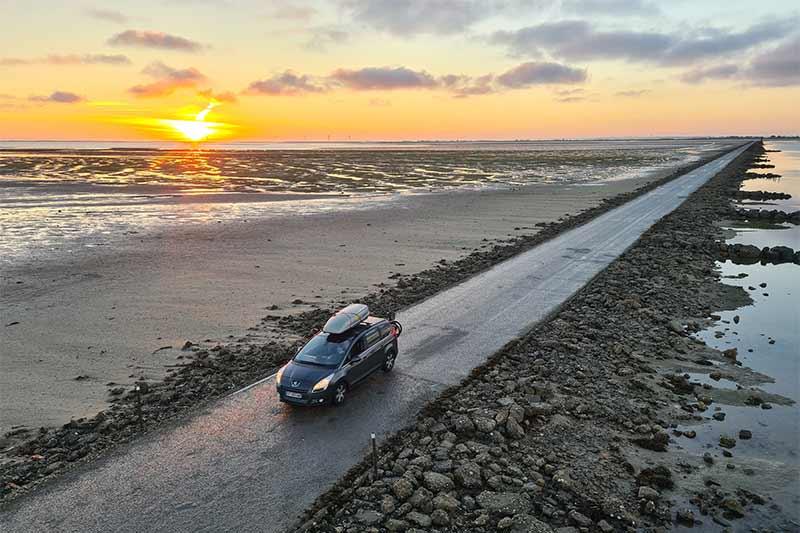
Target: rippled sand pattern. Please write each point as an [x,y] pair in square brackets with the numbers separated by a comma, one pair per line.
[327,170]
[59,199]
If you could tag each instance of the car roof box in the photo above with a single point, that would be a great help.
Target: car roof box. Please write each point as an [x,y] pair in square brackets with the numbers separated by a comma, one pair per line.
[347,318]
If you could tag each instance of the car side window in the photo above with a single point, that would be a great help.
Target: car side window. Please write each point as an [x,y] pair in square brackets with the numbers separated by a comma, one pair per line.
[372,337]
[358,347]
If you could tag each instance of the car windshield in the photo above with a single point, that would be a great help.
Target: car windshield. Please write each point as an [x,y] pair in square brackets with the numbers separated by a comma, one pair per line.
[325,350]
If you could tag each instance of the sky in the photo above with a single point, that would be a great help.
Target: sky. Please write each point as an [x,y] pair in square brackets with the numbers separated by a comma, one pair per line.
[249,70]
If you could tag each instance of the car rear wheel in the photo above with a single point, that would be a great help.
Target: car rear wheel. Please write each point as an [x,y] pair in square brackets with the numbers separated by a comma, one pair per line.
[339,393]
[388,365]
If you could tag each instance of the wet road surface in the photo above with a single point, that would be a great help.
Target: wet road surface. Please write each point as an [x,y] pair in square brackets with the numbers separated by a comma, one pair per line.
[249,463]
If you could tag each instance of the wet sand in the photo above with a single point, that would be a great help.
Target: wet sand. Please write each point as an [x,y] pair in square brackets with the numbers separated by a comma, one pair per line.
[104,316]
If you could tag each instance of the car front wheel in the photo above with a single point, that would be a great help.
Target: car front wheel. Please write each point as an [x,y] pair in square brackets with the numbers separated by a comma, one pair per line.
[339,393]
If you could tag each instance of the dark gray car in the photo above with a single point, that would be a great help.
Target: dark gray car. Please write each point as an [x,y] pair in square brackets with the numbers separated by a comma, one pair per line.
[330,364]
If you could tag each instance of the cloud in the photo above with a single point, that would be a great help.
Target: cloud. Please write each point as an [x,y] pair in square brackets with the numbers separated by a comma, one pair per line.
[108,15]
[571,99]
[633,93]
[154,39]
[404,78]
[411,17]
[465,86]
[59,97]
[778,67]
[13,61]
[286,84]
[225,97]
[541,73]
[719,43]
[577,40]
[293,12]
[383,79]
[88,59]
[717,72]
[69,59]
[168,80]
[611,7]
[322,38]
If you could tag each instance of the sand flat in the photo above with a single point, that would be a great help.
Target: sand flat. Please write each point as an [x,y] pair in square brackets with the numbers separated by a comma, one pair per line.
[105,315]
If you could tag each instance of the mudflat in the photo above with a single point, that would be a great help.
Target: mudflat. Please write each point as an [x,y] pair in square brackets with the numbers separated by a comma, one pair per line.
[100,319]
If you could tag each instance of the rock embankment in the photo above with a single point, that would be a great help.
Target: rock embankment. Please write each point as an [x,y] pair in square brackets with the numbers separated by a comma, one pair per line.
[750,254]
[571,427]
[769,215]
[762,195]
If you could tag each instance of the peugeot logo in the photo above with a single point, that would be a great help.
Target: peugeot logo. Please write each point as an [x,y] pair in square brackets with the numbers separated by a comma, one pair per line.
[295,383]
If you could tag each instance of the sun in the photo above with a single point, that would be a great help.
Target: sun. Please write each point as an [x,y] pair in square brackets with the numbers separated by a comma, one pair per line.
[188,129]
[192,130]
[198,129]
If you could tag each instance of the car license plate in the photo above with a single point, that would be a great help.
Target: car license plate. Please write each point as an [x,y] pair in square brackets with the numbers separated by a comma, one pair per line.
[293,394]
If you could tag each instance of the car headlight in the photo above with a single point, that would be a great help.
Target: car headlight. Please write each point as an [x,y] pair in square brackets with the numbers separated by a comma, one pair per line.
[322,384]
[279,375]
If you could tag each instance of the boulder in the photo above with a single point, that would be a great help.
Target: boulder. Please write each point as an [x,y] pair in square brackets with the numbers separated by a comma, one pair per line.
[468,476]
[402,488]
[438,482]
[504,503]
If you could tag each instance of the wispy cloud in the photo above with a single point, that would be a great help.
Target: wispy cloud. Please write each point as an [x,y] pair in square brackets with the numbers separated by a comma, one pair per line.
[633,93]
[464,86]
[293,12]
[167,80]
[155,39]
[68,59]
[716,72]
[286,84]
[108,15]
[59,97]
[226,96]
[323,38]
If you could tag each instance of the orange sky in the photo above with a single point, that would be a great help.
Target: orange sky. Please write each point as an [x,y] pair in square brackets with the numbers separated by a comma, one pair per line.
[409,69]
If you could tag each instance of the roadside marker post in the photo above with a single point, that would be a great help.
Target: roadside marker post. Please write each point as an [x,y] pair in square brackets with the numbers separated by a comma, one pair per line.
[139,406]
[374,457]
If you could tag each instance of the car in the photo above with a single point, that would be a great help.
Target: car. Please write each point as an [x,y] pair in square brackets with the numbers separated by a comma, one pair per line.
[350,347]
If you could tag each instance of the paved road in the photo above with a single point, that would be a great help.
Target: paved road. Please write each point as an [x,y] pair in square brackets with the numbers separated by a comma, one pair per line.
[251,464]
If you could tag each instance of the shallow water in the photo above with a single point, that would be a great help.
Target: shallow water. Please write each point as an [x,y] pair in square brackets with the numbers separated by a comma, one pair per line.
[767,338]
[58,196]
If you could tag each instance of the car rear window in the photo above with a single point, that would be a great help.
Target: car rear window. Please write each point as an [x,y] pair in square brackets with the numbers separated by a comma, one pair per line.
[326,349]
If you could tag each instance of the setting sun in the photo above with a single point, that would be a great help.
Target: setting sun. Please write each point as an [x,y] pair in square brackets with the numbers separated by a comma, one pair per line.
[198,129]
[192,130]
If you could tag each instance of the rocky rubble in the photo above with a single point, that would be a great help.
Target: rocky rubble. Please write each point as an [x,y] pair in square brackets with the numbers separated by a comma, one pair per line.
[546,434]
[749,254]
[768,215]
[762,195]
